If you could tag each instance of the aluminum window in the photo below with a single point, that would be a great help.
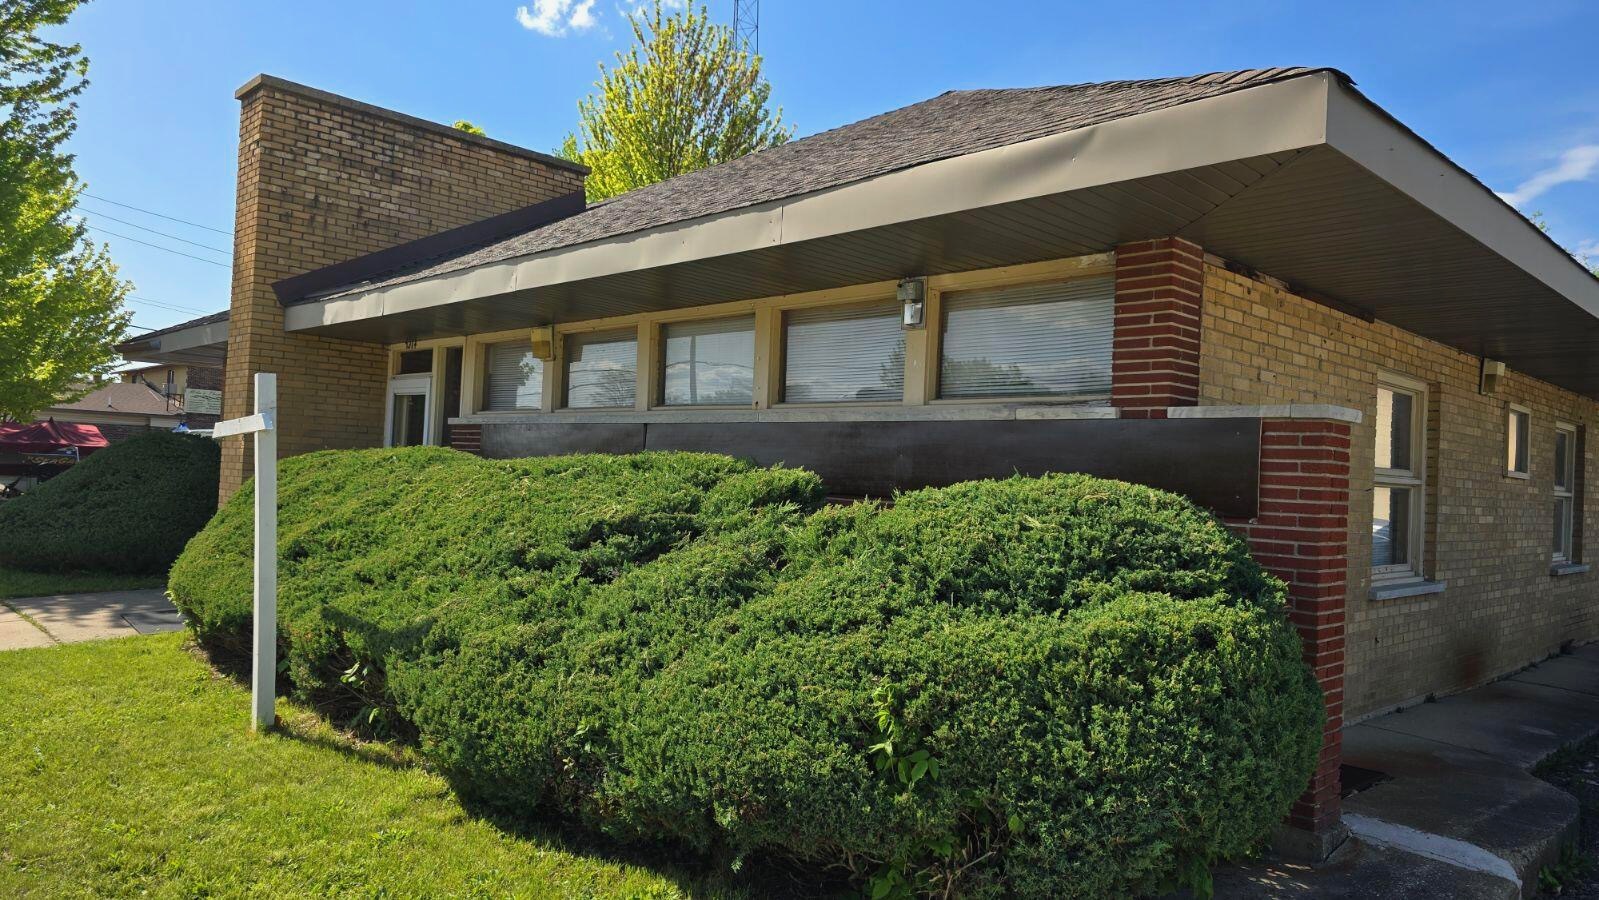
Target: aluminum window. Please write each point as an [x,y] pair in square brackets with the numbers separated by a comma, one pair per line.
[1033,340]
[844,354]
[708,362]
[1565,500]
[601,369]
[513,378]
[1518,432]
[1399,479]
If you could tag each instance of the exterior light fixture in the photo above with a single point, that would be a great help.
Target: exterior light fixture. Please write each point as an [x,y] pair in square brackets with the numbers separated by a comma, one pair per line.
[543,340]
[913,297]
[1493,371]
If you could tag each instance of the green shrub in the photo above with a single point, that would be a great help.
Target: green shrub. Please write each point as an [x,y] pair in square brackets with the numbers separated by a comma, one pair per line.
[128,508]
[1060,686]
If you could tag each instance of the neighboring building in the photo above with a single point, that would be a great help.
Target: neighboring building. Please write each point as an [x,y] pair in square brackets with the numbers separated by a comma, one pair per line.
[119,410]
[187,364]
[1256,288]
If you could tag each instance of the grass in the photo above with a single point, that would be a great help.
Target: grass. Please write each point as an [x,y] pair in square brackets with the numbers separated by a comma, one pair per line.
[17,583]
[128,769]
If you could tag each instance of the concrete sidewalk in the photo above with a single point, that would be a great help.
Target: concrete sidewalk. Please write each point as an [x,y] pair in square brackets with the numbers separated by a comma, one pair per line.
[66,618]
[1458,813]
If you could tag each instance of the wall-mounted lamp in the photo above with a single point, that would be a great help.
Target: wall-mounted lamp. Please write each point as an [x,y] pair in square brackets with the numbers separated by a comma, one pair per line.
[1493,371]
[543,343]
[913,298]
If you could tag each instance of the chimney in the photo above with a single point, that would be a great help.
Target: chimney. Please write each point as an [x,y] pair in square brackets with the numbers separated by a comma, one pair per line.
[323,179]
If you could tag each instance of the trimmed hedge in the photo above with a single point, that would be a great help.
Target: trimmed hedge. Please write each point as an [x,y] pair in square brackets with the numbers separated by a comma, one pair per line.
[129,508]
[1084,687]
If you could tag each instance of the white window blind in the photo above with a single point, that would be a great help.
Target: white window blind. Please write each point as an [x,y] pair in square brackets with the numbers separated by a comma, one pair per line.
[838,355]
[1032,340]
[709,362]
[601,369]
[513,377]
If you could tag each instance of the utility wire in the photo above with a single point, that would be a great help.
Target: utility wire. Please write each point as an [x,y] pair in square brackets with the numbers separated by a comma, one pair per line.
[156,214]
[166,305]
[159,247]
[174,237]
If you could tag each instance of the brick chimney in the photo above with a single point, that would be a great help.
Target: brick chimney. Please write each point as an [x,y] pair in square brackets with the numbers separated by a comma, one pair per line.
[323,179]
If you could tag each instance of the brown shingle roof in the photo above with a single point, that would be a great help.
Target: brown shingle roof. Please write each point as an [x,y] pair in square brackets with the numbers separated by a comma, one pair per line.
[123,397]
[952,124]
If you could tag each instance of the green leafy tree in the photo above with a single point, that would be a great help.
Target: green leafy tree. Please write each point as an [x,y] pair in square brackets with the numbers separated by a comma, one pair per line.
[60,299]
[685,96]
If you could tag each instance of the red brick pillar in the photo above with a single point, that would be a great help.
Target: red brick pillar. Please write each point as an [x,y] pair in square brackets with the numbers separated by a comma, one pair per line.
[1301,535]
[467,438]
[1155,360]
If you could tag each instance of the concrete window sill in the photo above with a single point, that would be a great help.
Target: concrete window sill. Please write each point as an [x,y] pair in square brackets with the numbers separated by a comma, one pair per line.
[1568,568]
[1415,588]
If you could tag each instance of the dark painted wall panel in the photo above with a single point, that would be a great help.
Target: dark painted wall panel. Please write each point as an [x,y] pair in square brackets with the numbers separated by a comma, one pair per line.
[1213,461]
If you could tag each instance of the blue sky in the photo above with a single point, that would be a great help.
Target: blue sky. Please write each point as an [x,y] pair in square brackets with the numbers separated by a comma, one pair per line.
[1502,88]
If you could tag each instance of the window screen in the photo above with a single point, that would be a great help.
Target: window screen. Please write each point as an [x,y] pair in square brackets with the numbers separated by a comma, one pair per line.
[709,362]
[601,369]
[1033,340]
[513,377]
[835,355]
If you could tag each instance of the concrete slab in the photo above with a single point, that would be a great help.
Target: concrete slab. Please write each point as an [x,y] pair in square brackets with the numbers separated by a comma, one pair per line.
[83,617]
[1519,722]
[1360,871]
[154,621]
[17,633]
[1577,671]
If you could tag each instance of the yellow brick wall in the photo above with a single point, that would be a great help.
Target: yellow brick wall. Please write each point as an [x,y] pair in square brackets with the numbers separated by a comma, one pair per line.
[1488,535]
[322,180]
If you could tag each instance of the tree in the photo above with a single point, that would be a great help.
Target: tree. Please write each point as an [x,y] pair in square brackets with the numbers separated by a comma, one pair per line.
[468,127]
[60,299]
[685,96]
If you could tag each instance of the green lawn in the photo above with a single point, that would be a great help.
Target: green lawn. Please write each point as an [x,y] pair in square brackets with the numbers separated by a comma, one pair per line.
[17,583]
[126,768]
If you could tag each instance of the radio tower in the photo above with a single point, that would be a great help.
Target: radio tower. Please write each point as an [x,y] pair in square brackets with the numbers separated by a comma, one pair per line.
[747,24]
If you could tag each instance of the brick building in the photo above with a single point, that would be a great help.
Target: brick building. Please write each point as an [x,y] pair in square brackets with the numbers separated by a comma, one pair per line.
[1255,288]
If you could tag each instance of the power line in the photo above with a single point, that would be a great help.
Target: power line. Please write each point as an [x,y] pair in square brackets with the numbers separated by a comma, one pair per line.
[162,304]
[156,214]
[152,230]
[159,247]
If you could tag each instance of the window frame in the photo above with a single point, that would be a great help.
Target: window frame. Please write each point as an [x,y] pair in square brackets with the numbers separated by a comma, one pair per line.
[1414,478]
[480,404]
[563,362]
[1568,551]
[780,371]
[657,337]
[1512,411]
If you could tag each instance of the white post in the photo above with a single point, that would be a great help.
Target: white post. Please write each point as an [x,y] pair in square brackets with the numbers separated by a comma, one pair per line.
[264,670]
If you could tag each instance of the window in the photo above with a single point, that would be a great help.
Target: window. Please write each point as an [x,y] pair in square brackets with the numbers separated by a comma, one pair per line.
[1032,340]
[601,369]
[415,362]
[837,355]
[513,378]
[708,363]
[1564,491]
[1517,430]
[1398,482]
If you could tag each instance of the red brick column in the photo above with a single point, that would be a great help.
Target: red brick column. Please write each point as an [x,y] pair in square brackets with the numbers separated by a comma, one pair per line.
[467,438]
[1301,535]
[1155,360]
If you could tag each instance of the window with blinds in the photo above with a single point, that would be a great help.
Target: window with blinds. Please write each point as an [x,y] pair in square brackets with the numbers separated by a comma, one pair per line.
[513,378]
[709,362]
[601,369]
[844,354]
[1029,341]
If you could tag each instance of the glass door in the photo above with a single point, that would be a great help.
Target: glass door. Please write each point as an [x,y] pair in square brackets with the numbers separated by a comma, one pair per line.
[410,411]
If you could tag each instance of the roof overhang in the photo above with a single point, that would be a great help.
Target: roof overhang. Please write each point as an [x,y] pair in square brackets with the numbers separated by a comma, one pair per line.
[196,345]
[1304,179]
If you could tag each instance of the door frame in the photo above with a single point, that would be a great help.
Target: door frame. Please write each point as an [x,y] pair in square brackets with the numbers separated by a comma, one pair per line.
[409,386]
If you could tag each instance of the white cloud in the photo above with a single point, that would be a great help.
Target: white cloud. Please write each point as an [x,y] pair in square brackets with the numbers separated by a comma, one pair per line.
[1577,164]
[556,18]
[1588,249]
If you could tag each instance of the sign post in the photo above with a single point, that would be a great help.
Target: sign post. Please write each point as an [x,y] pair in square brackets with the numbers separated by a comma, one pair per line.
[264,663]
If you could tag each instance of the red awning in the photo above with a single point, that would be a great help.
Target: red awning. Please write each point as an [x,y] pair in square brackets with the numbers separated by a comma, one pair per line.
[50,436]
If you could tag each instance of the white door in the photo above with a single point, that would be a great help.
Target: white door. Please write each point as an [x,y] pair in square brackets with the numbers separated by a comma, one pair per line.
[409,421]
